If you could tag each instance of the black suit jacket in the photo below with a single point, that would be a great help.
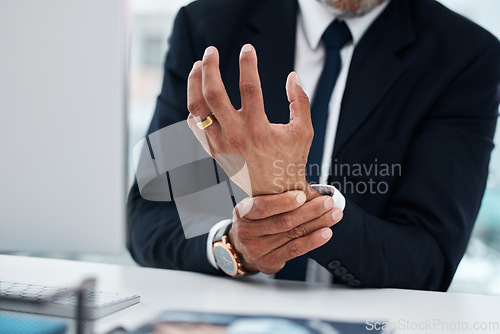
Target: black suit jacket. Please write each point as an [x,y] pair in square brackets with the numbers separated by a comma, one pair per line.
[422,93]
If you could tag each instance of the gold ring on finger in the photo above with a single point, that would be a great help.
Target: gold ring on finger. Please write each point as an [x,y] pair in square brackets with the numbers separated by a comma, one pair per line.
[207,121]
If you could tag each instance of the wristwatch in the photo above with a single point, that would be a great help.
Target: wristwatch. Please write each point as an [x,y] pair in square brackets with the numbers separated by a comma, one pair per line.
[226,257]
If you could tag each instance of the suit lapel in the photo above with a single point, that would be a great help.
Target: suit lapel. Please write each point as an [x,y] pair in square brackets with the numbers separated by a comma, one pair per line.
[374,68]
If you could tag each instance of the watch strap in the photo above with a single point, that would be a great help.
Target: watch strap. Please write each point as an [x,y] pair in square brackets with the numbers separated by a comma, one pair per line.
[222,232]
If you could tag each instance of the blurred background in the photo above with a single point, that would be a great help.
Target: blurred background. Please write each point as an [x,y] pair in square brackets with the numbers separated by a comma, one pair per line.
[152,20]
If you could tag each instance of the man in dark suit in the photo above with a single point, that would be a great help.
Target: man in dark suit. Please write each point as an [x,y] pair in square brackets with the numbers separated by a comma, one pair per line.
[417,110]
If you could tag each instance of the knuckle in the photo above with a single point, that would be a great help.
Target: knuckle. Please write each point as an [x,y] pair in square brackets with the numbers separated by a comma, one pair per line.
[260,207]
[294,249]
[211,94]
[248,88]
[285,222]
[194,106]
[297,232]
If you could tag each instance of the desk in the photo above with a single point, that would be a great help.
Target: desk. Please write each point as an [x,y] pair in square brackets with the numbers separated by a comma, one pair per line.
[162,290]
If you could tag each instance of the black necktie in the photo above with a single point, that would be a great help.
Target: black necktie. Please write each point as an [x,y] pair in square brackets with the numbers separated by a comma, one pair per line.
[335,37]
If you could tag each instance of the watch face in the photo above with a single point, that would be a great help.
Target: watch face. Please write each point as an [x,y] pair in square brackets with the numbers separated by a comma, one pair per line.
[225,260]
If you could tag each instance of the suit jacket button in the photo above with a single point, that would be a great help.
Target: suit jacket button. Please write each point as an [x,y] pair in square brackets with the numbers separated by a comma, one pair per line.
[348,277]
[340,271]
[332,265]
[354,282]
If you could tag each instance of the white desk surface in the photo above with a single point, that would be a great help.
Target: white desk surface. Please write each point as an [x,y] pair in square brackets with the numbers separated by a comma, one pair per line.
[162,290]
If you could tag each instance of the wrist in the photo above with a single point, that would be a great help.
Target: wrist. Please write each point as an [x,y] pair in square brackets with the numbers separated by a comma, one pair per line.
[302,185]
[310,192]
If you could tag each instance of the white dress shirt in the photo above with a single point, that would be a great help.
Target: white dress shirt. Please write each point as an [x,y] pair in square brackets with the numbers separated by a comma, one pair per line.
[312,20]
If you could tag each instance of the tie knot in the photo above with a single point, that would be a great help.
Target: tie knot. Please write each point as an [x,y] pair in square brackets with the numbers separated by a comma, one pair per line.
[336,35]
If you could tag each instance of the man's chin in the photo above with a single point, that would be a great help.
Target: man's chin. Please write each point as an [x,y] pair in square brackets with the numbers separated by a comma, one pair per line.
[341,11]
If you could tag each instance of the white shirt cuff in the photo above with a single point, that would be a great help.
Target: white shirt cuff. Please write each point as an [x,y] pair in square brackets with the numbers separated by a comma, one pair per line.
[338,198]
[210,240]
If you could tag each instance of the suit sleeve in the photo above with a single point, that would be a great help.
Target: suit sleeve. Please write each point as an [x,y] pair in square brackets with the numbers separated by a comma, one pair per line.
[422,235]
[155,234]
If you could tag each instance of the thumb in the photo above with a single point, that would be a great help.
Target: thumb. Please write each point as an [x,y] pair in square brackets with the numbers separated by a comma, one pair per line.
[300,112]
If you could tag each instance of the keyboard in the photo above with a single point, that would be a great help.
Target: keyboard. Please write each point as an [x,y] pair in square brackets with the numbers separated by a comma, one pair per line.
[60,302]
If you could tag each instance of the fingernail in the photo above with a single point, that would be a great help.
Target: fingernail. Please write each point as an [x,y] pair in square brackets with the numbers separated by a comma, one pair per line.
[326,234]
[337,214]
[328,203]
[301,198]
[246,48]
[209,51]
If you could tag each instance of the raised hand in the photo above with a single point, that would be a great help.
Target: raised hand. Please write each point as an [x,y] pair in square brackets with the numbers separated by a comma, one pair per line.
[254,152]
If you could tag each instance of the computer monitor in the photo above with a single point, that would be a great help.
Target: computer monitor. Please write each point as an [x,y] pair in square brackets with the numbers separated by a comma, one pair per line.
[63,84]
